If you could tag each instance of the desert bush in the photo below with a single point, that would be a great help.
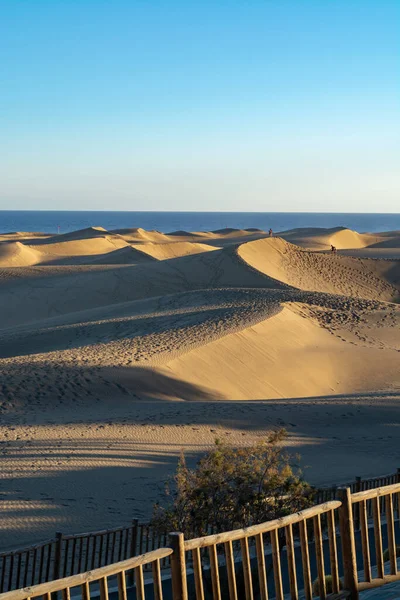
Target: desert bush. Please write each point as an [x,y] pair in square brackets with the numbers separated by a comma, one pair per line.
[328,585]
[232,488]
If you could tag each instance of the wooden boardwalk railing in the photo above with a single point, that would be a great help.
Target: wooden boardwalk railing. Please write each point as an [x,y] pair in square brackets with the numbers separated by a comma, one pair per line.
[221,563]
[221,552]
[378,501]
[27,566]
[66,555]
[101,577]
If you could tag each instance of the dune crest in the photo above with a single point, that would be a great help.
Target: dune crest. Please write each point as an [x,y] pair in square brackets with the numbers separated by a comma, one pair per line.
[173,249]
[284,356]
[315,238]
[15,254]
[333,274]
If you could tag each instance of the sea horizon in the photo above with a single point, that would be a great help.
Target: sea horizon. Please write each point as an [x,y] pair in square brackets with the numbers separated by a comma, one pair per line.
[62,221]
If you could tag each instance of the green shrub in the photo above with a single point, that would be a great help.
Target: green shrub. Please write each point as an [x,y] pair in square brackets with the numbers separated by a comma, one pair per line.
[328,585]
[232,488]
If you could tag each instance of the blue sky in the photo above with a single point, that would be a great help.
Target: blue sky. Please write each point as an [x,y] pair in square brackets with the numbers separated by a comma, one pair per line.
[213,105]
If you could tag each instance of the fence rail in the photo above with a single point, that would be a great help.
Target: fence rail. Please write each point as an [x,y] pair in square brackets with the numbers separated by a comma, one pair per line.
[380,501]
[277,530]
[303,553]
[67,555]
[100,576]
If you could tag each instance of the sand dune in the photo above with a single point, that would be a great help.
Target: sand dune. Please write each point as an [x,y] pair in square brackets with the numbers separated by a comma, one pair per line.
[80,234]
[230,231]
[333,274]
[22,235]
[382,245]
[52,291]
[15,254]
[385,242]
[173,250]
[78,247]
[118,349]
[342,238]
[186,234]
[127,255]
[270,264]
[282,357]
[136,235]
[322,239]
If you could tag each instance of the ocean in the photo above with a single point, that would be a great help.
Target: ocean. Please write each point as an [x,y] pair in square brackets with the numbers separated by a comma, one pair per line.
[65,221]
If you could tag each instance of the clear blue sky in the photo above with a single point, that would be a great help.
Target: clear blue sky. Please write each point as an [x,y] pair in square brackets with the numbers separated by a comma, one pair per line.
[200,105]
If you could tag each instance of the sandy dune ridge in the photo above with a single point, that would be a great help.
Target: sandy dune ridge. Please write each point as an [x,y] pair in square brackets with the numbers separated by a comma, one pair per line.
[120,348]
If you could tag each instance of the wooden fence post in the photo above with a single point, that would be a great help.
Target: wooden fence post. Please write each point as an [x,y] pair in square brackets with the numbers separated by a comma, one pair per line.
[348,545]
[57,560]
[135,524]
[178,566]
[132,548]
[57,556]
[357,488]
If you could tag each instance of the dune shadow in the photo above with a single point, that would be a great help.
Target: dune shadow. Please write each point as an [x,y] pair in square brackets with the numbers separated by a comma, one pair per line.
[96,330]
[153,384]
[42,385]
[109,453]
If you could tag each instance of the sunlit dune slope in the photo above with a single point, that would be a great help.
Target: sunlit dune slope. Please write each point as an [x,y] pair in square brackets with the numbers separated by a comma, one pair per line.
[127,255]
[136,235]
[48,291]
[15,254]
[173,249]
[316,238]
[286,263]
[79,234]
[80,247]
[43,292]
[284,356]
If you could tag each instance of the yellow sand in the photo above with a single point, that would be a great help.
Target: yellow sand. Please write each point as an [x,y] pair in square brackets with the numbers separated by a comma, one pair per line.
[173,249]
[285,356]
[340,237]
[334,274]
[119,349]
[15,254]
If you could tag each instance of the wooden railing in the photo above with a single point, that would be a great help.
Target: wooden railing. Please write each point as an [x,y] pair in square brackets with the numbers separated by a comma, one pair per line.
[358,485]
[221,551]
[67,555]
[86,582]
[28,566]
[379,501]
[299,548]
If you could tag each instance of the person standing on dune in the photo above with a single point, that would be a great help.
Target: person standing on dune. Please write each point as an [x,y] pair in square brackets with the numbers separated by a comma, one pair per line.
[271,233]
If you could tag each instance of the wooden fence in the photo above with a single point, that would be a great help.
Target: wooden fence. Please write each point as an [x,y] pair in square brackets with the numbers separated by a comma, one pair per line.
[271,530]
[67,555]
[98,580]
[216,574]
[377,501]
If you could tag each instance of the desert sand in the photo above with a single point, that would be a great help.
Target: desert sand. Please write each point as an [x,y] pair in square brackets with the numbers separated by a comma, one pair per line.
[119,349]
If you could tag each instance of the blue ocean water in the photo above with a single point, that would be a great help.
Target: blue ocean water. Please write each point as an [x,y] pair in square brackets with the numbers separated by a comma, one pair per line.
[65,221]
